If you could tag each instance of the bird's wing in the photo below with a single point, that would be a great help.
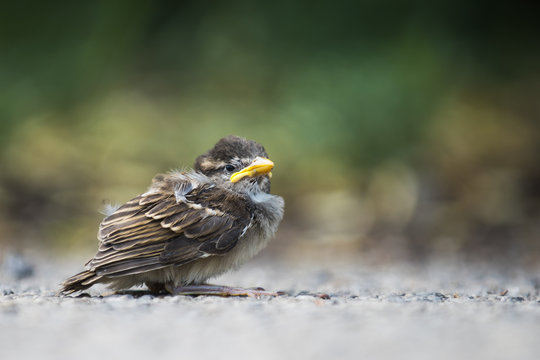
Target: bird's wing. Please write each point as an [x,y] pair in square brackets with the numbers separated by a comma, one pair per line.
[163,228]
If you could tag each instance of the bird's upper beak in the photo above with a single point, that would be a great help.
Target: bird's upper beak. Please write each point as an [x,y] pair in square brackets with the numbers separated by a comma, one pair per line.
[259,166]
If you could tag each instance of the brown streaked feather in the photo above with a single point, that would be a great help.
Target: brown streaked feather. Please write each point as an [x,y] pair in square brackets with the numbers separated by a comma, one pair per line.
[128,266]
[227,240]
[151,198]
[212,225]
[134,234]
[153,239]
[164,208]
[175,218]
[156,230]
[80,281]
[139,270]
[120,227]
[130,208]
[192,217]
[128,254]
[180,250]
[221,245]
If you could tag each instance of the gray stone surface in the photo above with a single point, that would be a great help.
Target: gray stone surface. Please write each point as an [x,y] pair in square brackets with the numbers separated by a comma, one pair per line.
[381,312]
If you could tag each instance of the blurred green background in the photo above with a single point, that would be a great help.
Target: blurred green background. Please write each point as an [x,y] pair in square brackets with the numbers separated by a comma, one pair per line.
[400,129]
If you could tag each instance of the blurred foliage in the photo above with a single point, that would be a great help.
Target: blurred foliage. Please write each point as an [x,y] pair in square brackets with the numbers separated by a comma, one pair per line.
[406,128]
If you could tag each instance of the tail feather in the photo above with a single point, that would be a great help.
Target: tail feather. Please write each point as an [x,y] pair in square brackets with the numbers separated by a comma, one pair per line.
[79,282]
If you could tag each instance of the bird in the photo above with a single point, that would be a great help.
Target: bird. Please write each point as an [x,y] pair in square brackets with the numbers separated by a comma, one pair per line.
[189,226]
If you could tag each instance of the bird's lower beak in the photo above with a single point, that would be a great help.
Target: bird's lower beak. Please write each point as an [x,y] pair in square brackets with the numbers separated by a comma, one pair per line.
[259,166]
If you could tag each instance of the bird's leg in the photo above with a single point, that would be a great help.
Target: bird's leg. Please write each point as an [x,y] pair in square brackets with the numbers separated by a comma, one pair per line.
[156,288]
[217,290]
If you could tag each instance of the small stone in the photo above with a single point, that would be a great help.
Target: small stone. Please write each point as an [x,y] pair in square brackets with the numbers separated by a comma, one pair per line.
[6,292]
[435,297]
[322,296]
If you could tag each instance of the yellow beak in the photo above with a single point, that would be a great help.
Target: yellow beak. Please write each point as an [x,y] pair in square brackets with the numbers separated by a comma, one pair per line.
[259,166]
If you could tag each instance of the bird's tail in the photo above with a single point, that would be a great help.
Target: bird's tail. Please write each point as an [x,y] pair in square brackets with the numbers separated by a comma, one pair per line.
[78,282]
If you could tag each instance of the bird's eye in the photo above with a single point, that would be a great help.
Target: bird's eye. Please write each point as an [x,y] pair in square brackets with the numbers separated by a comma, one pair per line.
[229,167]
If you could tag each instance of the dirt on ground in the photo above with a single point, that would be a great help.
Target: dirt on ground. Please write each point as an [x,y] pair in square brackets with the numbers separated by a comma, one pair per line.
[434,311]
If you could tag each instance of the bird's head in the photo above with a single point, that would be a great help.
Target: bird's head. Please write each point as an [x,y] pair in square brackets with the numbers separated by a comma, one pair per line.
[237,163]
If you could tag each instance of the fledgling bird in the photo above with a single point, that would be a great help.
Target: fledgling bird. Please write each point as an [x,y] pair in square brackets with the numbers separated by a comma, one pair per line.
[190,226]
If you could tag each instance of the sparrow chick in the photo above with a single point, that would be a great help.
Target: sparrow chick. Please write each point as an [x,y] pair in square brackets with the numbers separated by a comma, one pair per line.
[189,226]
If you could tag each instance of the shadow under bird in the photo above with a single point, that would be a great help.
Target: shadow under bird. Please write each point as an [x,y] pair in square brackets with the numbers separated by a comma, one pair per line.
[190,226]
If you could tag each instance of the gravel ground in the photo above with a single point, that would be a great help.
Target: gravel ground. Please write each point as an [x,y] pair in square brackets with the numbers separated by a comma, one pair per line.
[399,311]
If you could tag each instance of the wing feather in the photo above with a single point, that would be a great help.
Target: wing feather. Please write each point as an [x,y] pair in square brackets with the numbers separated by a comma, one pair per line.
[120,227]
[212,225]
[151,198]
[173,225]
[152,230]
[115,256]
[174,219]
[128,266]
[180,251]
[192,217]
[164,208]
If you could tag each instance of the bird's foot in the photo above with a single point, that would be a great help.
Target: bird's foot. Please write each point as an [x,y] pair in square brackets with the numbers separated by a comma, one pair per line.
[217,290]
